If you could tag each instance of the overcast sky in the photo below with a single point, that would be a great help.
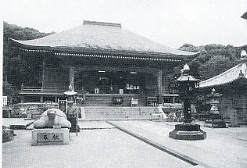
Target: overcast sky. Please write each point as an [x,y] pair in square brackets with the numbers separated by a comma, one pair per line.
[169,22]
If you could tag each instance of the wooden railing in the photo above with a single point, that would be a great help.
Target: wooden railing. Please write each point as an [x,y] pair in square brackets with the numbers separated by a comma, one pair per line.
[27,89]
[31,89]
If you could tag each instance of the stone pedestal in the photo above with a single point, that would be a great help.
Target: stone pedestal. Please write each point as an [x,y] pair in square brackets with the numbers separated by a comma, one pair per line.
[74,124]
[50,136]
[187,131]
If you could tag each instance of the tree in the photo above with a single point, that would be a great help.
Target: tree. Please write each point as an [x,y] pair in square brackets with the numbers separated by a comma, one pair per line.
[215,66]
[11,92]
[212,60]
[17,69]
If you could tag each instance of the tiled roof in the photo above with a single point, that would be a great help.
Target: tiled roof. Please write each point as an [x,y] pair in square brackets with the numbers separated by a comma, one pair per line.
[233,74]
[244,16]
[185,78]
[102,36]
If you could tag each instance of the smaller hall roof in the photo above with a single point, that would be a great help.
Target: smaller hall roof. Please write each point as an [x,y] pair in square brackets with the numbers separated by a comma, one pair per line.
[101,36]
[244,16]
[237,72]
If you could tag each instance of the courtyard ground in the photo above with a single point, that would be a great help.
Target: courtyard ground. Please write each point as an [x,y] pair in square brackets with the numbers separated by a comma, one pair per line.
[101,144]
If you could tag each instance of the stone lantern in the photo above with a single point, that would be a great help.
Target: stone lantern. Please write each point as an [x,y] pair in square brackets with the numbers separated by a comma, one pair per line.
[214,115]
[187,91]
[213,101]
[72,115]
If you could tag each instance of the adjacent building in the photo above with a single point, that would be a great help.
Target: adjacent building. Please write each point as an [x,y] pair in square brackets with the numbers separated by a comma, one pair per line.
[232,84]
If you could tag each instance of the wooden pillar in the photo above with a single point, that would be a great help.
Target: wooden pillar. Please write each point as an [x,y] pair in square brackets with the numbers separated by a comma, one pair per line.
[43,75]
[22,99]
[72,76]
[160,87]
[165,80]
[41,99]
[43,80]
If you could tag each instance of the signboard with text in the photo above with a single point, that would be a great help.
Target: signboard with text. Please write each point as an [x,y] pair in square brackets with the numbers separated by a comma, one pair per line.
[49,137]
[5,100]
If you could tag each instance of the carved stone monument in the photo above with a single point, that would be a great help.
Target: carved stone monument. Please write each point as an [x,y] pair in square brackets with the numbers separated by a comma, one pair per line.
[51,128]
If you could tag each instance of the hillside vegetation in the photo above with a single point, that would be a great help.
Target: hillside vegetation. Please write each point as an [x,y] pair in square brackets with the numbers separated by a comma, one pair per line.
[17,70]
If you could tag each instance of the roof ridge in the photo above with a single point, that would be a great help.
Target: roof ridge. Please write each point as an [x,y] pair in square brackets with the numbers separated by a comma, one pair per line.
[88,22]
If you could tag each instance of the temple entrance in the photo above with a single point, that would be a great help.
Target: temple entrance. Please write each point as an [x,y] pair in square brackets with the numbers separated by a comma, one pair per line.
[102,86]
[102,82]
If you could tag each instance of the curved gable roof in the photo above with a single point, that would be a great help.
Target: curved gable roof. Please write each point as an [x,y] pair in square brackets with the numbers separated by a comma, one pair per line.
[102,36]
[233,74]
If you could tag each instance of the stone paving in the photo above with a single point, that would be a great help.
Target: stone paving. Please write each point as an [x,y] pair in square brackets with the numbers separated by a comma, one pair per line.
[100,144]
[223,147]
[92,148]
[16,121]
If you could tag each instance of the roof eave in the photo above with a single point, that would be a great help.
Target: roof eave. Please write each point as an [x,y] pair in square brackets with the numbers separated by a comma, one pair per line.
[104,51]
[222,84]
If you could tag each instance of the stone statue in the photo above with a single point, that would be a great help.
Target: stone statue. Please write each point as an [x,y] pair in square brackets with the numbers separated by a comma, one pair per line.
[50,118]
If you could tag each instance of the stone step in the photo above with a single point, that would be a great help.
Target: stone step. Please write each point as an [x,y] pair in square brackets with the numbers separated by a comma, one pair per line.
[104,112]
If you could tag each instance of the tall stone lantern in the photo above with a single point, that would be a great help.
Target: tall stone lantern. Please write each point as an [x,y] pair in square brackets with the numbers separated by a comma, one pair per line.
[187,92]
[72,115]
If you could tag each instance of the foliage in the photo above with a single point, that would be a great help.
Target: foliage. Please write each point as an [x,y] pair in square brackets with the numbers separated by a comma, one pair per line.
[16,68]
[213,59]
[11,92]
[214,66]
[19,33]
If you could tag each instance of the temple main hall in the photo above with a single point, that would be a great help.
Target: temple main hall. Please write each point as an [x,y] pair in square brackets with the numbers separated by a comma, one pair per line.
[104,63]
